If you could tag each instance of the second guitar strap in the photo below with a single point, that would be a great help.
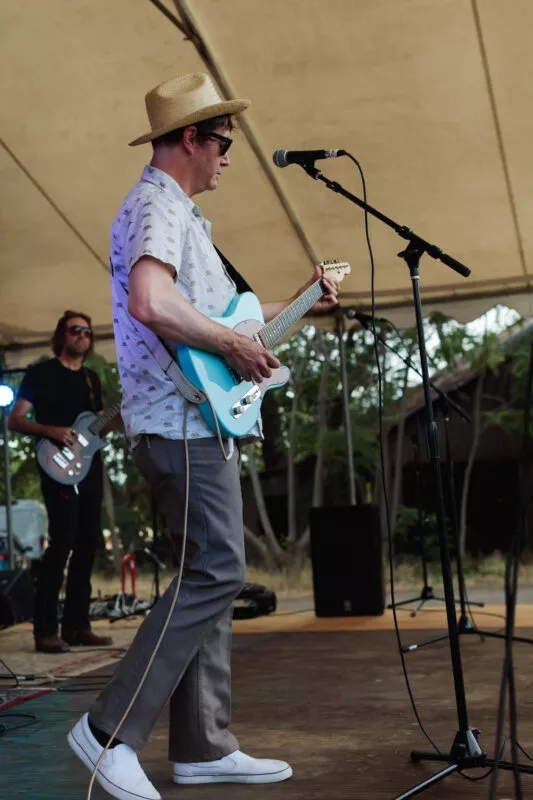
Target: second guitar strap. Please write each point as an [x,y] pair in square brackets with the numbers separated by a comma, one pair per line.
[89,383]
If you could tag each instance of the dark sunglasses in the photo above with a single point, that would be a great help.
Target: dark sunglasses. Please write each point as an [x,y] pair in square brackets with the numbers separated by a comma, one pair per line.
[76,330]
[224,142]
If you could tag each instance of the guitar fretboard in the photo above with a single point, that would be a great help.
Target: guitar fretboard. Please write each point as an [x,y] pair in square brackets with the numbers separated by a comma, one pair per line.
[275,330]
[104,418]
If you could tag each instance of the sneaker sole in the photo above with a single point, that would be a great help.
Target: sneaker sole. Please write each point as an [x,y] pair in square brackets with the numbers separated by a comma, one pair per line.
[110,788]
[267,777]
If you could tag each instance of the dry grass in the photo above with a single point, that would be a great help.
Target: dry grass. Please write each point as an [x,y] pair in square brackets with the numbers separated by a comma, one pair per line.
[285,584]
[488,571]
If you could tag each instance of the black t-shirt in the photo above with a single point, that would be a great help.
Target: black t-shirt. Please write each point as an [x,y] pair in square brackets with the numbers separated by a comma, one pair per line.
[59,394]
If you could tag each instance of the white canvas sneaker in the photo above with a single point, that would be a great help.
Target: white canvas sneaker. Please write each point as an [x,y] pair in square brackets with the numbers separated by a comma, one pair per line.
[236,767]
[119,772]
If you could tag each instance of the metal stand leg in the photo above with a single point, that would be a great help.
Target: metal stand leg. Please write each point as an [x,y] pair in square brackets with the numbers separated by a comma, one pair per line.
[465,753]
[465,624]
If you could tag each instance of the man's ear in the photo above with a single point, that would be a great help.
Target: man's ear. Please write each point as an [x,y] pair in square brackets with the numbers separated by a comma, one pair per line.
[190,136]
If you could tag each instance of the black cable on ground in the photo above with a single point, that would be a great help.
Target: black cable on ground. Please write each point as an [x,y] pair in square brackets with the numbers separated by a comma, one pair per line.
[10,676]
[4,729]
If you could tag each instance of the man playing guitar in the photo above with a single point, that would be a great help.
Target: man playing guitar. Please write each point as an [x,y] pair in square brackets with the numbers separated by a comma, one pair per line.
[58,390]
[168,281]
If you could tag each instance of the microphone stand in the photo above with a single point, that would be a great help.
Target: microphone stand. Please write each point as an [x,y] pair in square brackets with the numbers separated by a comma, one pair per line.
[465,751]
[427,591]
[465,625]
[444,401]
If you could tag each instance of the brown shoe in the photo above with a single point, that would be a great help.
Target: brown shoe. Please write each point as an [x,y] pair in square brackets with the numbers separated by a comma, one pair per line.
[86,638]
[51,644]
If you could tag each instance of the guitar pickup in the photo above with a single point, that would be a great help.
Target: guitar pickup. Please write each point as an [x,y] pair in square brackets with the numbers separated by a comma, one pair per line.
[60,461]
[246,401]
[82,440]
[68,454]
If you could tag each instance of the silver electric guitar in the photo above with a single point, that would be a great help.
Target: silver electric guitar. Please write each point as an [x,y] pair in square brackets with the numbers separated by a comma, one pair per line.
[69,464]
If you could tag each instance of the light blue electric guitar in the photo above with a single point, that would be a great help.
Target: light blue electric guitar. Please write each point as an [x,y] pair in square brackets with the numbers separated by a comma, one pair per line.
[237,402]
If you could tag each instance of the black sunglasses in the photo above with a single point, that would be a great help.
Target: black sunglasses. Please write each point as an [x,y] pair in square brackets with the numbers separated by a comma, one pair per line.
[224,142]
[75,330]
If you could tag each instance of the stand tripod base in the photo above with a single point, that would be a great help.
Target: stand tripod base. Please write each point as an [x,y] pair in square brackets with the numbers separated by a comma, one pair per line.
[465,754]
[464,626]
[425,595]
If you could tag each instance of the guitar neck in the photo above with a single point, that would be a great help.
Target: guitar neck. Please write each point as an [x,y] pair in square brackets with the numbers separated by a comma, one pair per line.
[105,418]
[276,329]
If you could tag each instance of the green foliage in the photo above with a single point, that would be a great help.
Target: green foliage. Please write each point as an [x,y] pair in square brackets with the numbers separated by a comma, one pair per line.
[449,344]
[407,533]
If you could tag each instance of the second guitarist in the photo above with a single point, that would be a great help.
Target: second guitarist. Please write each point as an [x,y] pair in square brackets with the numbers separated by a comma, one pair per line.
[58,390]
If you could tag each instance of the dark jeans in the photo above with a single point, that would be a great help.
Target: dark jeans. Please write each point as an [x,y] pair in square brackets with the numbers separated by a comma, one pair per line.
[73,528]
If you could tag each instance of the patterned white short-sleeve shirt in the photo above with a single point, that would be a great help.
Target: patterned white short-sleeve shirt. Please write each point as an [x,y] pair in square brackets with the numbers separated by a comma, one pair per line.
[158,219]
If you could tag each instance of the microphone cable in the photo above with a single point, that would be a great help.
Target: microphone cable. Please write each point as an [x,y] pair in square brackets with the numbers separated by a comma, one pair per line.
[499,749]
[382,462]
[408,361]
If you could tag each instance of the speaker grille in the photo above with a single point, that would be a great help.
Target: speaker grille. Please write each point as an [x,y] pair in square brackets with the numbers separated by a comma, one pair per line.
[346,560]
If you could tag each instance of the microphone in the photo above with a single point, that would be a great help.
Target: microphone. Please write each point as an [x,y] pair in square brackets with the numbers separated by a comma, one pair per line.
[364,319]
[282,158]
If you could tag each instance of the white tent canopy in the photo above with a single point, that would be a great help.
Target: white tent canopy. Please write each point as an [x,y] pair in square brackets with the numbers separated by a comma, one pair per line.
[433,97]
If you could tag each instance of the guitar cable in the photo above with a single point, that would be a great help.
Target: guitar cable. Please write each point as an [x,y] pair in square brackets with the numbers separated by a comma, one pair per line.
[227,456]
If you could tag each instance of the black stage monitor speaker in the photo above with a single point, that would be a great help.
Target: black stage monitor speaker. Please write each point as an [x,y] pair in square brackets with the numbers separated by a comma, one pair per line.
[346,559]
[16,597]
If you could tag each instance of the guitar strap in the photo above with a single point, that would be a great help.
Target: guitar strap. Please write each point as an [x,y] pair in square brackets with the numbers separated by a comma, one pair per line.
[241,283]
[89,383]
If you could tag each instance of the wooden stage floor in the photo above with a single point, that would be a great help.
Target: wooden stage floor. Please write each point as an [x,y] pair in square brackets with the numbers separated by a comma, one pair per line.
[326,695]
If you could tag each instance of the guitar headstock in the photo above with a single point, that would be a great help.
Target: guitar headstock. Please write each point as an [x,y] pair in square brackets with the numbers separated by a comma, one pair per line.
[334,268]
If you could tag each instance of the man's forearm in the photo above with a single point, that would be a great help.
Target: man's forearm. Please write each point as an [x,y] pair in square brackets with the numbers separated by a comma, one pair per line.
[26,426]
[176,319]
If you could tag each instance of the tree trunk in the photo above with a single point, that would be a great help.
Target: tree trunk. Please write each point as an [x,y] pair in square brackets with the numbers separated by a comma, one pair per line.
[398,461]
[382,479]
[292,527]
[318,480]
[476,435]
[274,453]
[271,542]
[322,421]
[261,549]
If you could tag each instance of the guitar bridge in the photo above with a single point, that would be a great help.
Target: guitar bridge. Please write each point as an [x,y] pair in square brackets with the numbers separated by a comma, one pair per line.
[246,401]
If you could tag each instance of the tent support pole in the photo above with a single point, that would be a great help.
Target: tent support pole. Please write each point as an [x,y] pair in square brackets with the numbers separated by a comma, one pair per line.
[346,410]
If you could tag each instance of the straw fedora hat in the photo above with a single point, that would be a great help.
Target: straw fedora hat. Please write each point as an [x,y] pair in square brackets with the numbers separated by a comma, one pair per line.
[183,101]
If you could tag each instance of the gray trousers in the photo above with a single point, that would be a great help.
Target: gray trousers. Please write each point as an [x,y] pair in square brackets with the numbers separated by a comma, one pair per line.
[192,666]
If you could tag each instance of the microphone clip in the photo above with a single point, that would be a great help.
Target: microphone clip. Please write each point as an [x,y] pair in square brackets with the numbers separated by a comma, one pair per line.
[311,170]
